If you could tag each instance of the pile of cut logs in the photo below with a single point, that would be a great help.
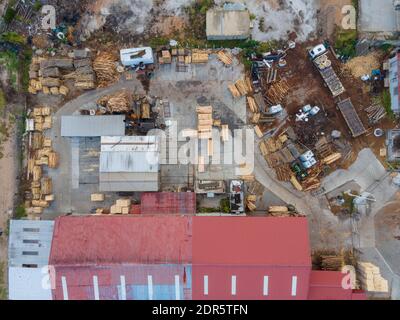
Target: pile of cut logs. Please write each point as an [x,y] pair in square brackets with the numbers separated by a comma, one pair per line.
[106,69]
[277,92]
[118,102]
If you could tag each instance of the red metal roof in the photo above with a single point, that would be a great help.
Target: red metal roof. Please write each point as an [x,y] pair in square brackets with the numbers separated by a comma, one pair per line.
[168,203]
[191,247]
[120,239]
[251,241]
[327,285]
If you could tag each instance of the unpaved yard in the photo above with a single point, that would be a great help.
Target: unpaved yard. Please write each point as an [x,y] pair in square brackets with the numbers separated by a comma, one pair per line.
[8,184]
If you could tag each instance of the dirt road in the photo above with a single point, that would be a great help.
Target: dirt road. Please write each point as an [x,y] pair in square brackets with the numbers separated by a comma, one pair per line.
[8,184]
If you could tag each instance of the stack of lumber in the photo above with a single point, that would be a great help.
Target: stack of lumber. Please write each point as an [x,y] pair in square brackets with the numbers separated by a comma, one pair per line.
[42,118]
[121,206]
[252,105]
[258,132]
[296,183]
[201,163]
[118,102]
[46,185]
[225,132]
[240,88]
[282,211]
[331,262]
[165,57]
[241,85]
[277,92]
[205,122]
[199,56]
[97,197]
[375,113]
[332,158]
[225,57]
[235,92]
[371,278]
[251,202]
[283,172]
[105,68]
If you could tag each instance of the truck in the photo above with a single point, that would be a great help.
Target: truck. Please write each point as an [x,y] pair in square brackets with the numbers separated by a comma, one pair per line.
[320,59]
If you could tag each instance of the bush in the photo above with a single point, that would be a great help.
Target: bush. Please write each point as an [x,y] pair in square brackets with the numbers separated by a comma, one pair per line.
[2,101]
[345,43]
[225,205]
[9,15]
[13,37]
[20,212]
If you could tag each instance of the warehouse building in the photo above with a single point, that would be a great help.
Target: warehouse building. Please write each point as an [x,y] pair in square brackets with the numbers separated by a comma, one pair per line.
[28,259]
[393,82]
[188,257]
[129,163]
[92,126]
[228,23]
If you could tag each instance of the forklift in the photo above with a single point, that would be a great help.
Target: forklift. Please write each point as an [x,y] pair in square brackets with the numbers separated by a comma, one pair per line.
[301,174]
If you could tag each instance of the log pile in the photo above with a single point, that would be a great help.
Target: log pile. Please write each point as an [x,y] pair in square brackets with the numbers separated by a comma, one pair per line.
[119,102]
[205,122]
[105,68]
[282,211]
[277,92]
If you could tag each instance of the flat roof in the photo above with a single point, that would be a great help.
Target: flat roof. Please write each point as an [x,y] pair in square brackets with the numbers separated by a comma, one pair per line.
[29,242]
[92,126]
[27,284]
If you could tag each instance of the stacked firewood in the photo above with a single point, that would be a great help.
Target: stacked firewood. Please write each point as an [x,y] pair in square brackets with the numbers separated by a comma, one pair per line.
[106,70]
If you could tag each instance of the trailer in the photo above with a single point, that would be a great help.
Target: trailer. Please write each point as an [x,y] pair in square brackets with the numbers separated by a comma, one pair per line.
[324,66]
[351,117]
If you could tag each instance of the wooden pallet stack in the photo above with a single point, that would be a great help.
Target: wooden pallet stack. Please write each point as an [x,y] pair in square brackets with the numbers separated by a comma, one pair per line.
[251,202]
[199,56]
[165,57]
[371,278]
[121,206]
[205,122]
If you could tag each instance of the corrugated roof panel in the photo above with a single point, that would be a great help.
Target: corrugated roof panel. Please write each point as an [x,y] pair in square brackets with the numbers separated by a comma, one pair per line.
[125,161]
[29,242]
[121,239]
[92,126]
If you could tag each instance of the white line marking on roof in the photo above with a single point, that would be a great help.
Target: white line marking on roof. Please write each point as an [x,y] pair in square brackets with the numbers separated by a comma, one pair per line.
[123,288]
[265,289]
[205,285]
[64,288]
[233,285]
[150,286]
[177,288]
[96,288]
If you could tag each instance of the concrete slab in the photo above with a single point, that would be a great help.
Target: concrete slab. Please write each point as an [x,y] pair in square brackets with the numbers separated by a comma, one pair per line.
[377,16]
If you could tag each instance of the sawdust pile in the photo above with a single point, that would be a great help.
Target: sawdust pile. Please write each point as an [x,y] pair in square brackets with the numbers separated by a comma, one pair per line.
[363,65]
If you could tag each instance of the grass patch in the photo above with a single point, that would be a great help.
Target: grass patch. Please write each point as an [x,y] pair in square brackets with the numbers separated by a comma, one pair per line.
[386,102]
[197,18]
[3,101]
[345,43]
[10,60]
[13,37]
[10,14]
[3,289]
[20,212]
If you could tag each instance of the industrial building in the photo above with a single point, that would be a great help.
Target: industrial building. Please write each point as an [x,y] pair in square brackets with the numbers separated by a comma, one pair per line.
[188,257]
[92,126]
[228,23]
[28,259]
[129,163]
[393,145]
[394,66]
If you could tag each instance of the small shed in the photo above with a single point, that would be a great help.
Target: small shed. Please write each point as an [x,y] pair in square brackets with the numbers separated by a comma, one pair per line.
[135,56]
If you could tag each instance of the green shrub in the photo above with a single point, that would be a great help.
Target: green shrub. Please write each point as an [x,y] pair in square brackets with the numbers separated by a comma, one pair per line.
[20,212]
[345,43]
[9,15]
[13,37]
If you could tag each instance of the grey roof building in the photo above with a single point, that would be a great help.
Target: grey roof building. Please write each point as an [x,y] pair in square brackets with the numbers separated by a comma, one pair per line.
[129,163]
[28,259]
[394,67]
[228,23]
[92,126]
